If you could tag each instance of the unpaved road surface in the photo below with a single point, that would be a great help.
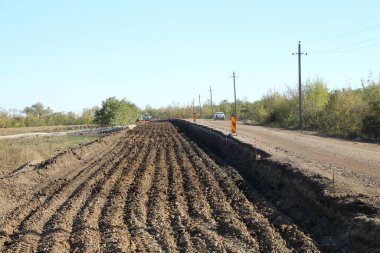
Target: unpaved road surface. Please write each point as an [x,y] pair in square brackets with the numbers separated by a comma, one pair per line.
[355,165]
[159,188]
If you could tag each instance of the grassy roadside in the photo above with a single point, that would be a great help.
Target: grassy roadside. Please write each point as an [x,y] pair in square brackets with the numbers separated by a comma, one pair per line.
[16,152]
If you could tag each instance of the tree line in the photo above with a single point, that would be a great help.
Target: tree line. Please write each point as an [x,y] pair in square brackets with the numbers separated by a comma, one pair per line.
[346,112]
[112,112]
[39,115]
[343,112]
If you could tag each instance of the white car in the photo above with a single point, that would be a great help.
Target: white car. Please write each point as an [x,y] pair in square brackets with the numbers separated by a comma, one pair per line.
[219,115]
[147,117]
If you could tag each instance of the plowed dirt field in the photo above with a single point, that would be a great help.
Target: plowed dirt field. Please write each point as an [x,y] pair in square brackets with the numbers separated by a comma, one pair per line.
[151,189]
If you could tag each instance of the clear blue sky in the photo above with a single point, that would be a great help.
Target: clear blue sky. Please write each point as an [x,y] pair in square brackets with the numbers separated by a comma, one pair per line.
[73,54]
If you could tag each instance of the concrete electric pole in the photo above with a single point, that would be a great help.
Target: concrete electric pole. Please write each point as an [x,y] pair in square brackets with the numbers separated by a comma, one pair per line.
[212,108]
[234,116]
[200,107]
[233,76]
[299,85]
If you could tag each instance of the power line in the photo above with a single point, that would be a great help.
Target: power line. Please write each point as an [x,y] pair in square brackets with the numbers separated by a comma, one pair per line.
[358,48]
[272,64]
[358,43]
[224,82]
[274,68]
[345,34]
[349,47]
[351,50]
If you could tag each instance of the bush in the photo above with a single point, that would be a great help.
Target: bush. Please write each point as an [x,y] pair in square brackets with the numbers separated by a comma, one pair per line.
[371,126]
[116,112]
[315,99]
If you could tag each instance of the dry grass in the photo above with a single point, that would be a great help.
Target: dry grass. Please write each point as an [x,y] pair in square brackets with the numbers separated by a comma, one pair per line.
[46,129]
[16,152]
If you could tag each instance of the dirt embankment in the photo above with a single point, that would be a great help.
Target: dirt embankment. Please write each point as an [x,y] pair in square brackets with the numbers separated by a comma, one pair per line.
[159,188]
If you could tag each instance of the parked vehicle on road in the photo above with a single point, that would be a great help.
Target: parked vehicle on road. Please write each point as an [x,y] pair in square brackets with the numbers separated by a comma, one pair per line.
[147,117]
[219,115]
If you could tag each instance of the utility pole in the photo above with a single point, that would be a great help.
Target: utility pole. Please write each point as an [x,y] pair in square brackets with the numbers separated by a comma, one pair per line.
[234,116]
[299,84]
[200,107]
[233,76]
[212,109]
[194,115]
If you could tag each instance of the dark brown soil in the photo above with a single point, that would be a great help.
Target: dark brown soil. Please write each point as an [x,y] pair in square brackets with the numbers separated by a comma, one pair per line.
[152,189]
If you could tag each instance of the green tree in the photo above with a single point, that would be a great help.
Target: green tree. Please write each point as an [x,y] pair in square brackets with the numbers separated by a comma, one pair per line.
[226,107]
[371,122]
[242,108]
[116,112]
[4,118]
[259,114]
[207,110]
[32,121]
[70,118]
[37,115]
[315,99]
[343,115]
[87,116]
[56,118]
[278,108]
[38,110]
